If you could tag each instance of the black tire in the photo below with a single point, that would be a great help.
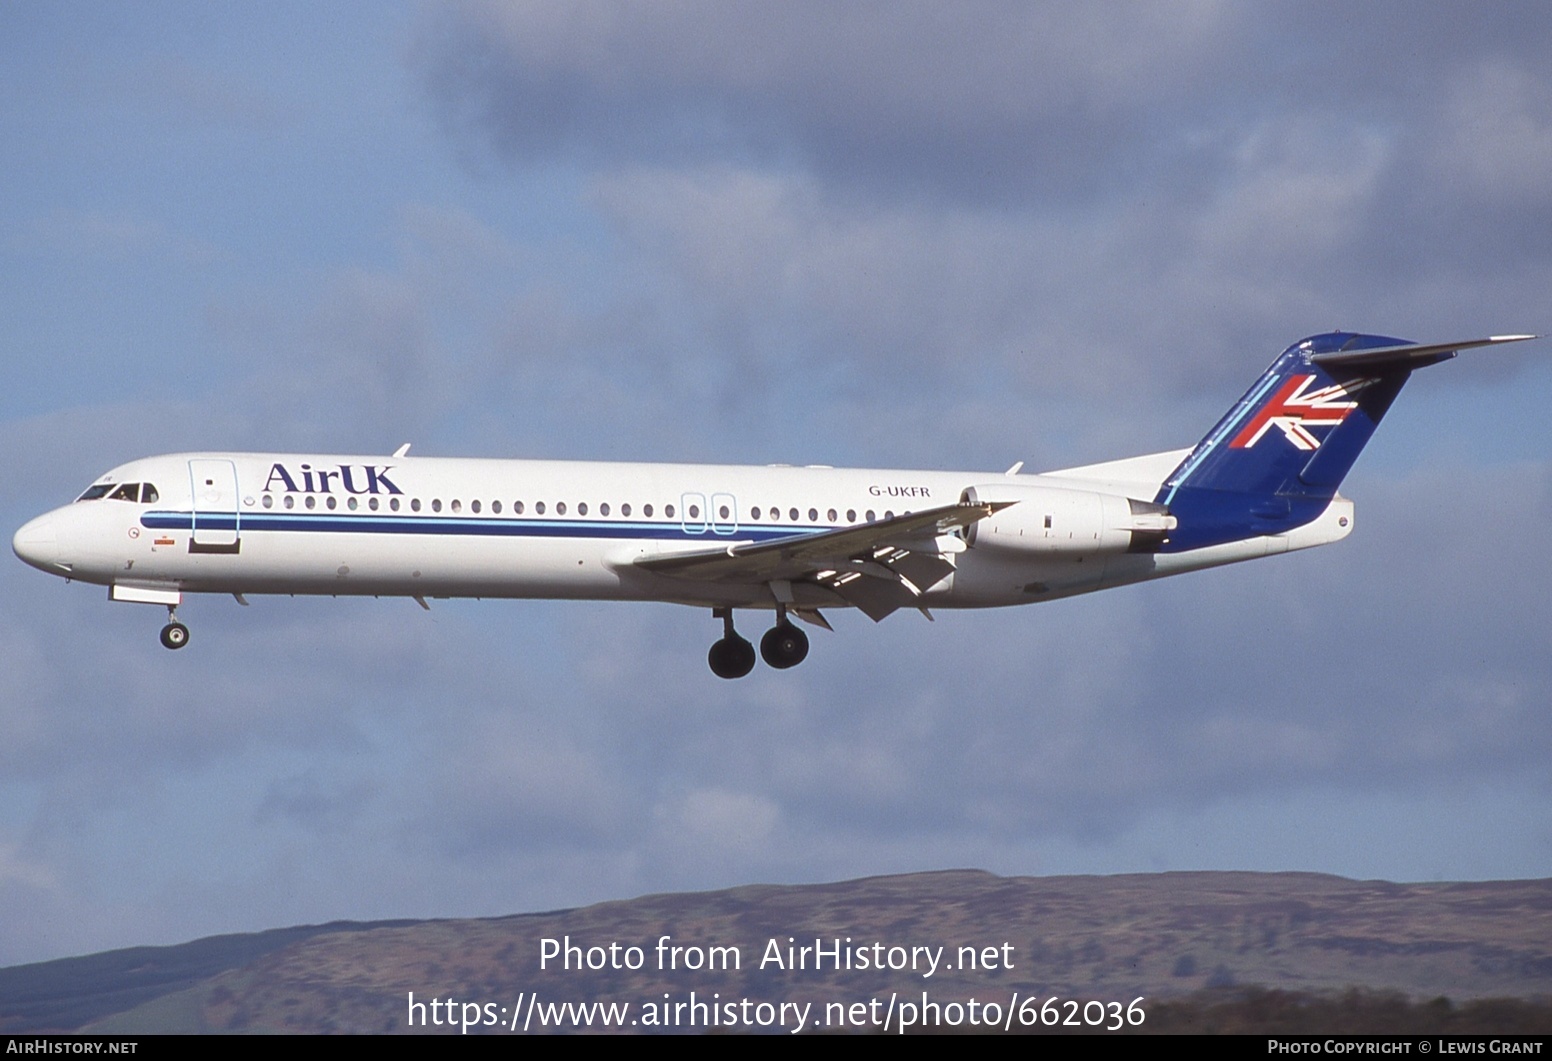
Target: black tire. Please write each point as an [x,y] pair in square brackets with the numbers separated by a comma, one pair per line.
[731,657]
[175,635]
[783,646]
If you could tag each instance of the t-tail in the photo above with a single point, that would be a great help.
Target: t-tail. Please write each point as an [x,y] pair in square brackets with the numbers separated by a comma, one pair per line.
[1275,460]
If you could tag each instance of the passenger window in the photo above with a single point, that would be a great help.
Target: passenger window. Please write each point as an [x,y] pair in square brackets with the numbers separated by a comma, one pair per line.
[517,507]
[889,515]
[754,513]
[539,507]
[393,503]
[831,515]
[794,514]
[351,504]
[870,515]
[289,502]
[851,515]
[603,509]
[695,512]
[647,511]
[813,515]
[495,508]
[415,504]
[624,510]
[457,505]
[329,502]
[148,495]
[311,501]
[560,508]
[582,509]
[722,513]
[436,504]
[668,510]
[371,503]
[268,501]
[474,506]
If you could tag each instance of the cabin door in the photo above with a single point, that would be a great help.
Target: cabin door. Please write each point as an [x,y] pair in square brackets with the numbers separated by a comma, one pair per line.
[216,519]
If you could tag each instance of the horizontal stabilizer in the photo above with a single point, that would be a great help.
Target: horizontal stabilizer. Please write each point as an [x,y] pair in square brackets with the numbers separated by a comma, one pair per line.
[1410,355]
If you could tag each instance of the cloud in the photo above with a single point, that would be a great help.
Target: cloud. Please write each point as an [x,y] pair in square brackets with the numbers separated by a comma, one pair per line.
[1497,134]
[1132,166]
[995,100]
[119,237]
[191,91]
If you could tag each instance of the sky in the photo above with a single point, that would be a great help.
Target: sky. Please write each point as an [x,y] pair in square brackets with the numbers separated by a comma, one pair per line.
[883,235]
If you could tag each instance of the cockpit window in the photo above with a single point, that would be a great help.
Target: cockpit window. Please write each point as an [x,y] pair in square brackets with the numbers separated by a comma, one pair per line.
[144,493]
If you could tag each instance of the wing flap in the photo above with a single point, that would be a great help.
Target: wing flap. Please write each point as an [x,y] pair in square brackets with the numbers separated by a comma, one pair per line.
[924,570]
[874,597]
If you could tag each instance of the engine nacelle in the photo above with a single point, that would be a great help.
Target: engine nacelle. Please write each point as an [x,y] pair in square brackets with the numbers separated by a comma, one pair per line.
[1051,521]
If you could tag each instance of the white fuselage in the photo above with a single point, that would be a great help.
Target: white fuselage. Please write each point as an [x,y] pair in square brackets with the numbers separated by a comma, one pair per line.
[431,527]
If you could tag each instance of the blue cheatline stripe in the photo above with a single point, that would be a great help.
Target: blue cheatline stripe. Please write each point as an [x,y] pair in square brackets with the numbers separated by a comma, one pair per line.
[331,523]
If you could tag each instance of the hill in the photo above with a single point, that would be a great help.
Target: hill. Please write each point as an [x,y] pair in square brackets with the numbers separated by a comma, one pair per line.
[941,938]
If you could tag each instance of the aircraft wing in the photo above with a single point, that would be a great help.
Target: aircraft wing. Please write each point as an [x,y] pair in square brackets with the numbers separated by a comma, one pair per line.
[877,567]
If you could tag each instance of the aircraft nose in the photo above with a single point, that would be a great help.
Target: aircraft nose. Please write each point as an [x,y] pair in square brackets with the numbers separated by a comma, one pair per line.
[37,543]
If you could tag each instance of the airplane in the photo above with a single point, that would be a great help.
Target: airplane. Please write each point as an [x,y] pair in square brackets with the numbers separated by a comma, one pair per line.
[793,540]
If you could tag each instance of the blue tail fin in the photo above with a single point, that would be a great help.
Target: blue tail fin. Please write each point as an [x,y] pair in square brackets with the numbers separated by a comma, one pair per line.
[1275,460]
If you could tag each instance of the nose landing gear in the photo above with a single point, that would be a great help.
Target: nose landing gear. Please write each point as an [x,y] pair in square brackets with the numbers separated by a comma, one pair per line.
[783,646]
[174,634]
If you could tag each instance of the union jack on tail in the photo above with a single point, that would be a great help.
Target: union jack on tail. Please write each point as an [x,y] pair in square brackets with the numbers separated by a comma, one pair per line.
[1276,458]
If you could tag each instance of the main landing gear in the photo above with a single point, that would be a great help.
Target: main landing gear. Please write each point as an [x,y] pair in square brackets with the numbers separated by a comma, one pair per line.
[732,656]
[783,646]
[174,634]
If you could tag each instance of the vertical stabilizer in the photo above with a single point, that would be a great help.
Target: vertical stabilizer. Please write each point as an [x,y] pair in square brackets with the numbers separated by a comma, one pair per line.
[1275,460]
